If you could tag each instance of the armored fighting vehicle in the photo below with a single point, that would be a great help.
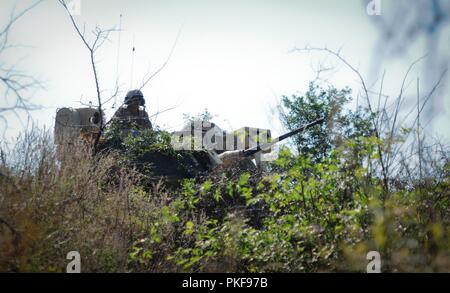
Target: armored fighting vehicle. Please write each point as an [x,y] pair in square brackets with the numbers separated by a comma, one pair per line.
[199,147]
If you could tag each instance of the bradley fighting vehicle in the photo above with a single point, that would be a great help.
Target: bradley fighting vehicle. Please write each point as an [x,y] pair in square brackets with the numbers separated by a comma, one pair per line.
[203,146]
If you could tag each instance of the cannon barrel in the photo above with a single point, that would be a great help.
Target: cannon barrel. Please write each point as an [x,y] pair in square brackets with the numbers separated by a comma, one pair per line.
[265,146]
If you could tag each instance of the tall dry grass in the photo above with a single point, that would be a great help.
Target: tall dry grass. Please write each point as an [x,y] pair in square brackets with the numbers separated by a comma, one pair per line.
[55,202]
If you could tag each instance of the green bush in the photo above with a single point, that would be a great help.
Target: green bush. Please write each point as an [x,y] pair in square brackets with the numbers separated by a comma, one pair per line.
[317,209]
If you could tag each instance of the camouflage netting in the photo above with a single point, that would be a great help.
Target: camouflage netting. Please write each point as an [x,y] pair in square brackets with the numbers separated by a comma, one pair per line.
[152,154]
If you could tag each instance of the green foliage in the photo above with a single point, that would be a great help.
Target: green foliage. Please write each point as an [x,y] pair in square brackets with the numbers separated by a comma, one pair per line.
[204,116]
[136,142]
[320,209]
[316,219]
[341,124]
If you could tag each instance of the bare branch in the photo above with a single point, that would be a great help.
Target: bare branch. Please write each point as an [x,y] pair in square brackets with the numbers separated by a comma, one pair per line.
[17,85]
[100,36]
[400,96]
[146,80]
[384,166]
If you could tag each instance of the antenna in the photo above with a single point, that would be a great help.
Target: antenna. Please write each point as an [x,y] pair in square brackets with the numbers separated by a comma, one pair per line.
[117,61]
[132,63]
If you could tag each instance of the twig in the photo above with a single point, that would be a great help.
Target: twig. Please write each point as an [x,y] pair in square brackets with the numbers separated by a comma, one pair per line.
[100,37]
[15,82]
[384,167]
[165,62]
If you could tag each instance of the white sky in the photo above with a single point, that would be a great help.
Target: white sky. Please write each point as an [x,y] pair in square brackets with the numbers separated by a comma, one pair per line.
[232,57]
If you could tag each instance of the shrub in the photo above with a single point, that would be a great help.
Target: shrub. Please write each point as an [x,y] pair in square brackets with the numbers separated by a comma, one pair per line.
[311,212]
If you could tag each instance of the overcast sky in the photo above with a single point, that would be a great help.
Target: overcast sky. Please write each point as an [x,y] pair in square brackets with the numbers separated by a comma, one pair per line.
[232,57]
